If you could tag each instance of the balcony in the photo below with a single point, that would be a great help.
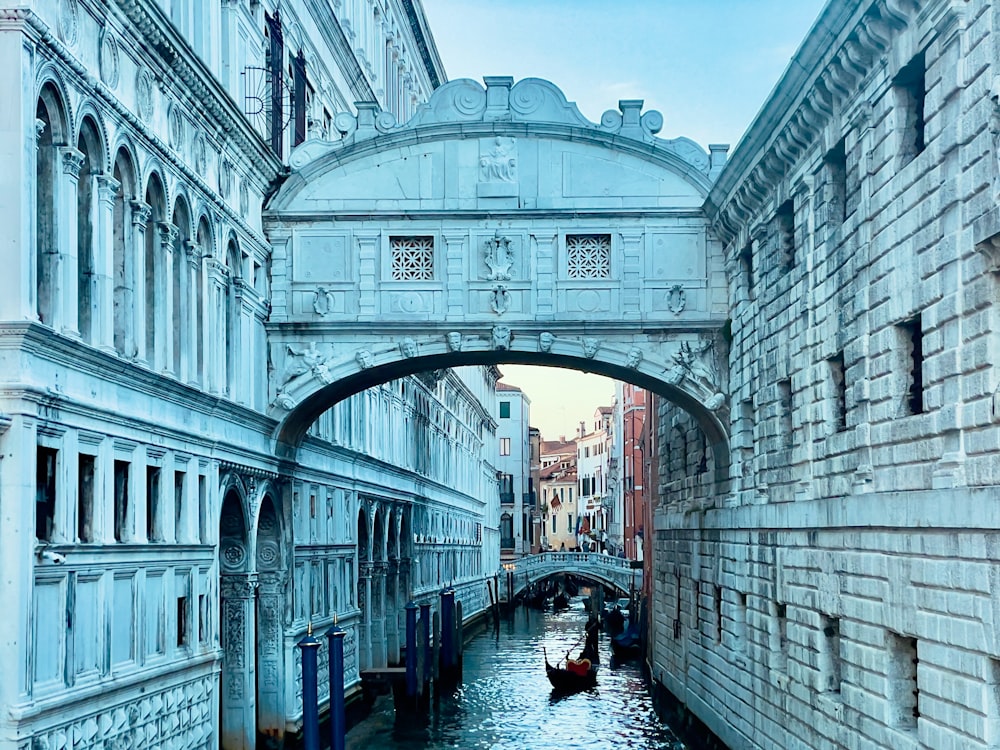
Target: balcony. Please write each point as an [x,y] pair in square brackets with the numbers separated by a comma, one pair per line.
[506,498]
[528,499]
[507,543]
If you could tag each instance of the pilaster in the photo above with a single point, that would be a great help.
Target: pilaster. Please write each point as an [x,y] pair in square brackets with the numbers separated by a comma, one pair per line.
[163,314]
[140,218]
[105,188]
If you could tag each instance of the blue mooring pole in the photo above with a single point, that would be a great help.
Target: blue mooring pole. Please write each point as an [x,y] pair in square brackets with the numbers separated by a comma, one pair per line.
[446,620]
[411,649]
[425,639]
[338,727]
[310,700]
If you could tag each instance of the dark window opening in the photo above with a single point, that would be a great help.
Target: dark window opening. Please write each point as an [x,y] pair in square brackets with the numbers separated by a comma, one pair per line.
[45,492]
[179,477]
[182,621]
[830,627]
[745,259]
[153,504]
[836,183]
[202,632]
[904,693]
[781,636]
[121,500]
[299,88]
[505,410]
[785,426]
[785,218]
[913,342]
[85,498]
[718,613]
[837,380]
[910,86]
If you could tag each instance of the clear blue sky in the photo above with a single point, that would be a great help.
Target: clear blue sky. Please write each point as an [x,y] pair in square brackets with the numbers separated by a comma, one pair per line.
[706,65]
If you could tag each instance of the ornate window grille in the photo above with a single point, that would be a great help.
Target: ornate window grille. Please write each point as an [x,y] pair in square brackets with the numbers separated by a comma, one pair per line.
[588,256]
[412,258]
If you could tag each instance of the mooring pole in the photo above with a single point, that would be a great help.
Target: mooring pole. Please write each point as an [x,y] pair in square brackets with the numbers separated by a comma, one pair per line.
[338,727]
[310,698]
[411,649]
[447,627]
[425,637]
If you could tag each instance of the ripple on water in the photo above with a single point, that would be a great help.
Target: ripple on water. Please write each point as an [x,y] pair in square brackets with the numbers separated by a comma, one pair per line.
[506,702]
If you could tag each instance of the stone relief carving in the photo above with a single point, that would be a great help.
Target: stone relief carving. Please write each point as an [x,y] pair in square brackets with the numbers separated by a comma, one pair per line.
[364,359]
[108,59]
[995,135]
[500,165]
[244,198]
[454,339]
[500,299]
[590,347]
[175,127]
[199,153]
[499,258]
[676,299]
[501,338]
[634,357]
[696,361]
[225,177]
[145,93]
[545,341]
[408,347]
[69,21]
[323,301]
[301,361]
[715,402]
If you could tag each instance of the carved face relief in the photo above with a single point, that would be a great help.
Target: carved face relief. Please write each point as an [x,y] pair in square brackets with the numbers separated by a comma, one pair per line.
[408,347]
[454,339]
[590,347]
[545,341]
[634,357]
[501,337]
[364,358]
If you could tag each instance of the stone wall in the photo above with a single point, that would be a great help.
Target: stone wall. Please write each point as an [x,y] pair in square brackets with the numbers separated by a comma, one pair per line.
[843,594]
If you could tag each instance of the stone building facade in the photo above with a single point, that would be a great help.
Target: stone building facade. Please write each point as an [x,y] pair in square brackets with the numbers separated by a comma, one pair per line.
[842,590]
[160,559]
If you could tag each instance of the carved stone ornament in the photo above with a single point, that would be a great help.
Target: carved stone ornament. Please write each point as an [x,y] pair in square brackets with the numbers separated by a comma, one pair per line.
[590,347]
[199,155]
[500,299]
[995,136]
[545,341]
[499,258]
[715,401]
[696,361]
[69,21]
[634,357]
[323,301]
[108,59]
[244,199]
[501,338]
[175,127]
[500,165]
[225,177]
[454,339]
[676,299]
[364,359]
[299,362]
[408,347]
[145,92]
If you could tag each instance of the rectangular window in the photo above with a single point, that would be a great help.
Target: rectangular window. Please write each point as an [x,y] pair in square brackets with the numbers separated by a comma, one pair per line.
[153,524]
[85,498]
[588,256]
[910,89]
[505,446]
[779,636]
[830,653]
[412,258]
[785,424]
[554,523]
[835,164]
[182,621]
[569,523]
[785,230]
[202,632]
[179,520]
[202,510]
[904,693]
[838,387]
[913,347]
[505,410]
[121,501]
[46,464]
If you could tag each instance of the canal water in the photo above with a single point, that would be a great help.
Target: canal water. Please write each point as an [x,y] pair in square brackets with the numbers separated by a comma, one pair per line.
[505,701]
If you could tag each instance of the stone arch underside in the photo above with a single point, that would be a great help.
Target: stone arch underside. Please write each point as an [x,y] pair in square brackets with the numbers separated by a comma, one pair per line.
[497,226]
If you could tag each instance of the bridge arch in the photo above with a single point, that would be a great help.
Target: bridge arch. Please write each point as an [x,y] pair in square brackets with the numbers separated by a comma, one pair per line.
[497,226]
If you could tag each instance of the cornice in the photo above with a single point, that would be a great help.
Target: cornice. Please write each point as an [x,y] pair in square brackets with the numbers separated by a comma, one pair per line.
[424,40]
[329,26]
[841,50]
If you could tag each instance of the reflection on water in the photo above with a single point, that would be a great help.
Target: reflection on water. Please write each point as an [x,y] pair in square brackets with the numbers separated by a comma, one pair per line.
[505,700]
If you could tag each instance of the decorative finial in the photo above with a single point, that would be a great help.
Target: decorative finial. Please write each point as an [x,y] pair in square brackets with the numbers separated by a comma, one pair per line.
[309,628]
[334,618]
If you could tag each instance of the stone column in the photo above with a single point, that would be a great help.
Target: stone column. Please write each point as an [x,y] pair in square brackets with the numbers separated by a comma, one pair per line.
[191,299]
[632,275]
[218,278]
[544,272]
[365,626]
[393,611]
[378,629]
[105,189]
[66,294]
[238,715]
[456,288]
[271,606]
[367,273]
[140,217]
[164,314]
[243,345]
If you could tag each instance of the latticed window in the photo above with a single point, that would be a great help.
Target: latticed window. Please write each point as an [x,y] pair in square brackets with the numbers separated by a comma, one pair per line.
[412,258]
[588,256]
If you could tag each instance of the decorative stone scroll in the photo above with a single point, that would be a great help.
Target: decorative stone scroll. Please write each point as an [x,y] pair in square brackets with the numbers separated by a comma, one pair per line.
[499,259]
[500,299]
[676,299]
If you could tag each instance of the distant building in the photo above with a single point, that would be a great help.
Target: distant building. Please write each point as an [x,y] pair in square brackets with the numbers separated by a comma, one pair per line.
[513,464]
[558,487]
[593,465]
[627,495]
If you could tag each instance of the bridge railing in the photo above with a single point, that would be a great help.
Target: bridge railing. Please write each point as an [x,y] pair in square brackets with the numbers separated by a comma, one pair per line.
[570,560]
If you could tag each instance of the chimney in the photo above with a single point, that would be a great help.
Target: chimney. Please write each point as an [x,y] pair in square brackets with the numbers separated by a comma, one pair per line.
[583,429]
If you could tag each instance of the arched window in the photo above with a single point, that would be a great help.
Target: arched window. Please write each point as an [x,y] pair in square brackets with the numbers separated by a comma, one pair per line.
[51,127]
[124,259]
[154,282]
[232,317]
[89,144]
[204,240]
[180,294]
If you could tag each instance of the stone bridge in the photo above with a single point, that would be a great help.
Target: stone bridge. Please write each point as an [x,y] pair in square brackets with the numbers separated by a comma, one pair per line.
[497,225]
[614,572]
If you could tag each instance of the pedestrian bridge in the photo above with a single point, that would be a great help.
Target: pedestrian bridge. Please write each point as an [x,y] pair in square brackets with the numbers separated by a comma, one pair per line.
[615,572]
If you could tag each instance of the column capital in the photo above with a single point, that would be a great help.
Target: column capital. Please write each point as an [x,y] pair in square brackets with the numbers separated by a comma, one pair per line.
[140,213]
[193,252]
[107,188]
[168,233]
[72,160]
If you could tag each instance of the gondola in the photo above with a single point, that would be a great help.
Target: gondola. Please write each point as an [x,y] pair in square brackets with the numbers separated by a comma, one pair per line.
[625,645]
[560,601]
[581,675]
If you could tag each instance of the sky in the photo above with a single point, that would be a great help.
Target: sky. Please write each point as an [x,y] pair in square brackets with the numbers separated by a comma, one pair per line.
[706,65]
